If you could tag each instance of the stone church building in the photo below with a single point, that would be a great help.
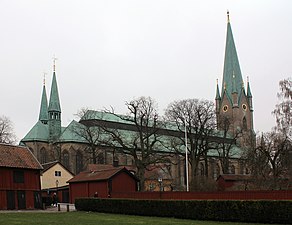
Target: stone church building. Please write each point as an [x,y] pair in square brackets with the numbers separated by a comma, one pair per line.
[49,141]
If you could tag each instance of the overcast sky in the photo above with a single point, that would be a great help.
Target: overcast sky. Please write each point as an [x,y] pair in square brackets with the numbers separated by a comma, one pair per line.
[112,51]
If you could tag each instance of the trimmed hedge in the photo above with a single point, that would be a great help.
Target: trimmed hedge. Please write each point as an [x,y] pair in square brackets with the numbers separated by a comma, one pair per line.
[239,211]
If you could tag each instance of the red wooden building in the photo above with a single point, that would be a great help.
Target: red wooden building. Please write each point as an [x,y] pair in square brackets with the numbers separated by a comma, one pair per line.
[103,182]
[19,178]
[229,182]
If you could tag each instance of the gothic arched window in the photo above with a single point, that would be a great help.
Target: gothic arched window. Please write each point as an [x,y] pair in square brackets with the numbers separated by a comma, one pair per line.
[65,157]
[202,169]
[100,158]
[216,171]
[79,162]
[232,169]
[43,155]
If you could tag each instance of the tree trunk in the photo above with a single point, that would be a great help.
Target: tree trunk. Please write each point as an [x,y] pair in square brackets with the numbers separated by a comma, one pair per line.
[141,177]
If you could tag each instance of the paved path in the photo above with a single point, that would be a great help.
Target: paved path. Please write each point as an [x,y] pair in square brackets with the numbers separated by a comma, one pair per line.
[63,208]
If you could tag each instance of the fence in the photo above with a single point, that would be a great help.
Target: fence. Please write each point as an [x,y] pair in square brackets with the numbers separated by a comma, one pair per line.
[224,195]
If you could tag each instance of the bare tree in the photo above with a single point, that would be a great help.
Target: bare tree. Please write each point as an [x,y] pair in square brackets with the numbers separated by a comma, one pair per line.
[272,150]
[270,159]
[7,135]
[140,136]
[198,116]
[89,135]
[225,148]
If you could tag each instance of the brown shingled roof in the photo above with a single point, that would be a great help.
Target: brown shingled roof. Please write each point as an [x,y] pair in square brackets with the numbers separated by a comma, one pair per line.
[18,157]
[99,175]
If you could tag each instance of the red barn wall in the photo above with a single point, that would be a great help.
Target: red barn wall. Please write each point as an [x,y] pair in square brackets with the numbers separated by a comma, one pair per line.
[101,187]
[78,190]
[30,186]
[123,182]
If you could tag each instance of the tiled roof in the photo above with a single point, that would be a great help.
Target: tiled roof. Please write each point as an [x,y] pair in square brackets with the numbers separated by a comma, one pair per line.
[153,173]
[18,157]
[99,175]
[48,165]
[102,167]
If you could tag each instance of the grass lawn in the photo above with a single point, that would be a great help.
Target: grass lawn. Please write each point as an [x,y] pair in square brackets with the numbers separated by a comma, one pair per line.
[85,218]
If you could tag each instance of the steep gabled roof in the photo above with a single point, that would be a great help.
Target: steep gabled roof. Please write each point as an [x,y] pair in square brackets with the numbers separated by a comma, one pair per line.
[18,157]
[49,165]
[68,134]
[100,175]
[39,132]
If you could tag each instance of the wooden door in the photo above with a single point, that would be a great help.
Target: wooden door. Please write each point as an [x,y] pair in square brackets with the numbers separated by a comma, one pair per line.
[21,199]
[10,196]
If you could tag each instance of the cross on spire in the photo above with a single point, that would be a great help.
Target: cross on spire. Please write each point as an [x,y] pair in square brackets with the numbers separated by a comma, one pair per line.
[44,81]
[54,63]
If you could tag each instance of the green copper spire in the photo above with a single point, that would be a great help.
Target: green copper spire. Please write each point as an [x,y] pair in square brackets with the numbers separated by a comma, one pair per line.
[232,78]
[54,104]
[43,117]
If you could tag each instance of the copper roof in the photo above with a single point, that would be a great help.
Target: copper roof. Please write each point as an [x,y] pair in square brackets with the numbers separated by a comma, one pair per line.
[18,157]
[100,175]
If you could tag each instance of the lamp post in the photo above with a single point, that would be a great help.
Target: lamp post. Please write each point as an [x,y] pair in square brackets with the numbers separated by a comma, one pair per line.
[160,185]
[57,183]
[187,161]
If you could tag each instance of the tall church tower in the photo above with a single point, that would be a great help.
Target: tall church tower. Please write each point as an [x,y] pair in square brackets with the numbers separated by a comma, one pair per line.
[43,116]
[234,109]
[54,110]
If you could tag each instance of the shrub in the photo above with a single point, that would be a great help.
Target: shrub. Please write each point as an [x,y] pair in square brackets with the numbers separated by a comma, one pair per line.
[239,211]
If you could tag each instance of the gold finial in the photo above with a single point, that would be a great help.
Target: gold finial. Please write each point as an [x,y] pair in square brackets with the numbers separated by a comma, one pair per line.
[54,63]
[228,20]
[45,78]
[233,74]
[217,81]
[247,79]
[224,85]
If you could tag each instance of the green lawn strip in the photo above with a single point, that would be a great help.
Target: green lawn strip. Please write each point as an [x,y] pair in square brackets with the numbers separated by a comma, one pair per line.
[90,218]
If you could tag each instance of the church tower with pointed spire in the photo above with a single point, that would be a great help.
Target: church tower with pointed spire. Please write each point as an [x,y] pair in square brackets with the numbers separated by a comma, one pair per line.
[43,116]
[54,110]
[234,108]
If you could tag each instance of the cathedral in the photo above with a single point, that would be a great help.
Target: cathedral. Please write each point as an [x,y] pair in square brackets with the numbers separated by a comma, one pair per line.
[49,141]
